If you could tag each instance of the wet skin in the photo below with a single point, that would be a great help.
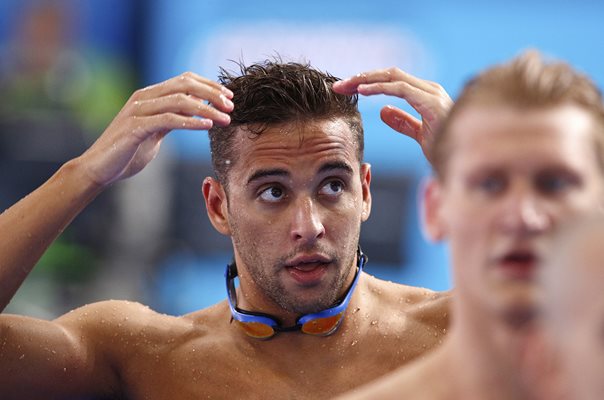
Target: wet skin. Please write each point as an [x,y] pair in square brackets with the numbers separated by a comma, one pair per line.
[307,210]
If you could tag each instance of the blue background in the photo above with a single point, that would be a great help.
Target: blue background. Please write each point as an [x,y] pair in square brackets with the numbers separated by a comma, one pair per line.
[442,41]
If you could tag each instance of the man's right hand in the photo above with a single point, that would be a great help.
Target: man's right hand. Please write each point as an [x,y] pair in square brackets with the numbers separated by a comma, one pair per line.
[133,138]
[130,142]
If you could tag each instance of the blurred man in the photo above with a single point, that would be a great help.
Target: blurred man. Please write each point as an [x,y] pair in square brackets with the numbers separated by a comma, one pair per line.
[291,190]
[573,308]
[520,152]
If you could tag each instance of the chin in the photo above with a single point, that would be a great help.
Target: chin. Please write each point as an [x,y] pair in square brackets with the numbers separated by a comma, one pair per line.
[519,313]
[516,304]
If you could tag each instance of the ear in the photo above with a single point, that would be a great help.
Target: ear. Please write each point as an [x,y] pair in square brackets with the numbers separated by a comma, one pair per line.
[216,205]
[432,204]
[365,187]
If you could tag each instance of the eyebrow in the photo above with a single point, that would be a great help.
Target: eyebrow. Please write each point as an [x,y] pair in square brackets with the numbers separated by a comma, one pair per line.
[336,165]
[274,172]
[261,173]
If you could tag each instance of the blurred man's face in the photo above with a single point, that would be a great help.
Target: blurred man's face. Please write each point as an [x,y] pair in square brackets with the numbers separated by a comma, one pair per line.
[511,177]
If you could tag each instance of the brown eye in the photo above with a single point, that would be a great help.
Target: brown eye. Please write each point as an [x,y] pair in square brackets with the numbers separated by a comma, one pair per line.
[272,194]
[332,188]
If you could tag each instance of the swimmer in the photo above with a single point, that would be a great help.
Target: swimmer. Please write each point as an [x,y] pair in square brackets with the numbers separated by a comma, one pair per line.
[291,190]
[519,154]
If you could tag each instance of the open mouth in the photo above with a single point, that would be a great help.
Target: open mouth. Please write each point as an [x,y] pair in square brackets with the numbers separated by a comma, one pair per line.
[308,271]
[518,264]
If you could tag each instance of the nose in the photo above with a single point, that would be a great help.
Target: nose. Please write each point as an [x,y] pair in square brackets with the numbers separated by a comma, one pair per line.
[526,214]
[307,225]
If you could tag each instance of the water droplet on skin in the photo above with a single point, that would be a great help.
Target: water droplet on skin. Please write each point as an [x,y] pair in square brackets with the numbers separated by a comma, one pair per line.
[22,357]
[354,342]
[228,162]
[374,322]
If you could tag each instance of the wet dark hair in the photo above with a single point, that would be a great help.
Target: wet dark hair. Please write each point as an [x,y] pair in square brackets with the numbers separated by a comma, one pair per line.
[272,93]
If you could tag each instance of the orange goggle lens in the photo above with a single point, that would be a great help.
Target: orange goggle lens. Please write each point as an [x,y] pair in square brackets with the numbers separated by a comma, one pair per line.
[257,330]
[322,326]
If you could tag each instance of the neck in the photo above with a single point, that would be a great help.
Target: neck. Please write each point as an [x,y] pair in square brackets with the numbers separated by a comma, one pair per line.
[492,352]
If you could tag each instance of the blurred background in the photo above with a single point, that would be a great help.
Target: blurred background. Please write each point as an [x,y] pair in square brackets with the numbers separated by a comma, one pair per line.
[67,67]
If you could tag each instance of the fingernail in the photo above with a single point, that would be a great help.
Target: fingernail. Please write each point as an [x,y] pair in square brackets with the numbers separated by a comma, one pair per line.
[226,102]
[227,93]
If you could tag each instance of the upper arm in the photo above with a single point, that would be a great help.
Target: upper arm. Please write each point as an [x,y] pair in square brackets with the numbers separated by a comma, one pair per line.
[48,359]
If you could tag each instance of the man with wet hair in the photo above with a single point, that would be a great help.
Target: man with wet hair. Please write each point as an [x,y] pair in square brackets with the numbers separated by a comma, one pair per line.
[519,154]
[291,190]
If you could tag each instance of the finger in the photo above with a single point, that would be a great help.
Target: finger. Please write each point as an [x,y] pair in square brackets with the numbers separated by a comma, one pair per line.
[203,80]
[182,104]
[145,127]
[351,85]
[402,122]
[189,84]
[345,87]
[429,105]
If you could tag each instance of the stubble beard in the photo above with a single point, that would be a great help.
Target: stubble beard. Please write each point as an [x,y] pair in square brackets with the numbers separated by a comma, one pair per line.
[266,276]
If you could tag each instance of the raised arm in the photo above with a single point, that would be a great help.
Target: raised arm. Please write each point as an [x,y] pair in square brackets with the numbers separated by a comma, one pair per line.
[75,355]
[128,144]
[428,98]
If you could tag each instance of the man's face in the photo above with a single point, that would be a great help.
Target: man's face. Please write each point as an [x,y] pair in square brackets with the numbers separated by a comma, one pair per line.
[511,177]
[297,195]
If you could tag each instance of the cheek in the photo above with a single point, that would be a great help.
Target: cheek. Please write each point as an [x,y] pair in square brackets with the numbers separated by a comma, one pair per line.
[468,221]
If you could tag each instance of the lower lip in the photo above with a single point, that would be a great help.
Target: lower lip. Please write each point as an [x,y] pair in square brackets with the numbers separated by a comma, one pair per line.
[309,275]
[517,270]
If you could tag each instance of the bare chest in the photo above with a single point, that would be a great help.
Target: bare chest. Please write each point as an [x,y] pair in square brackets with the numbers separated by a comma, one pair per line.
[316,369]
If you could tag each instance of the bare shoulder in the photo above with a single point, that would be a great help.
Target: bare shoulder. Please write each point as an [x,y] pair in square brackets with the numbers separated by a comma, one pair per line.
[424,304]
[112,322]
[419,306]
[126,313]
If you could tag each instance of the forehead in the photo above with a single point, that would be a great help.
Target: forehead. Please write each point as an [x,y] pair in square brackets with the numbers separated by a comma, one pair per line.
[296,145]
[503,133]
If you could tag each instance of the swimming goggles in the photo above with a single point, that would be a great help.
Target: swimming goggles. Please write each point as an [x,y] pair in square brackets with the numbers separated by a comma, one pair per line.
[263,326]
